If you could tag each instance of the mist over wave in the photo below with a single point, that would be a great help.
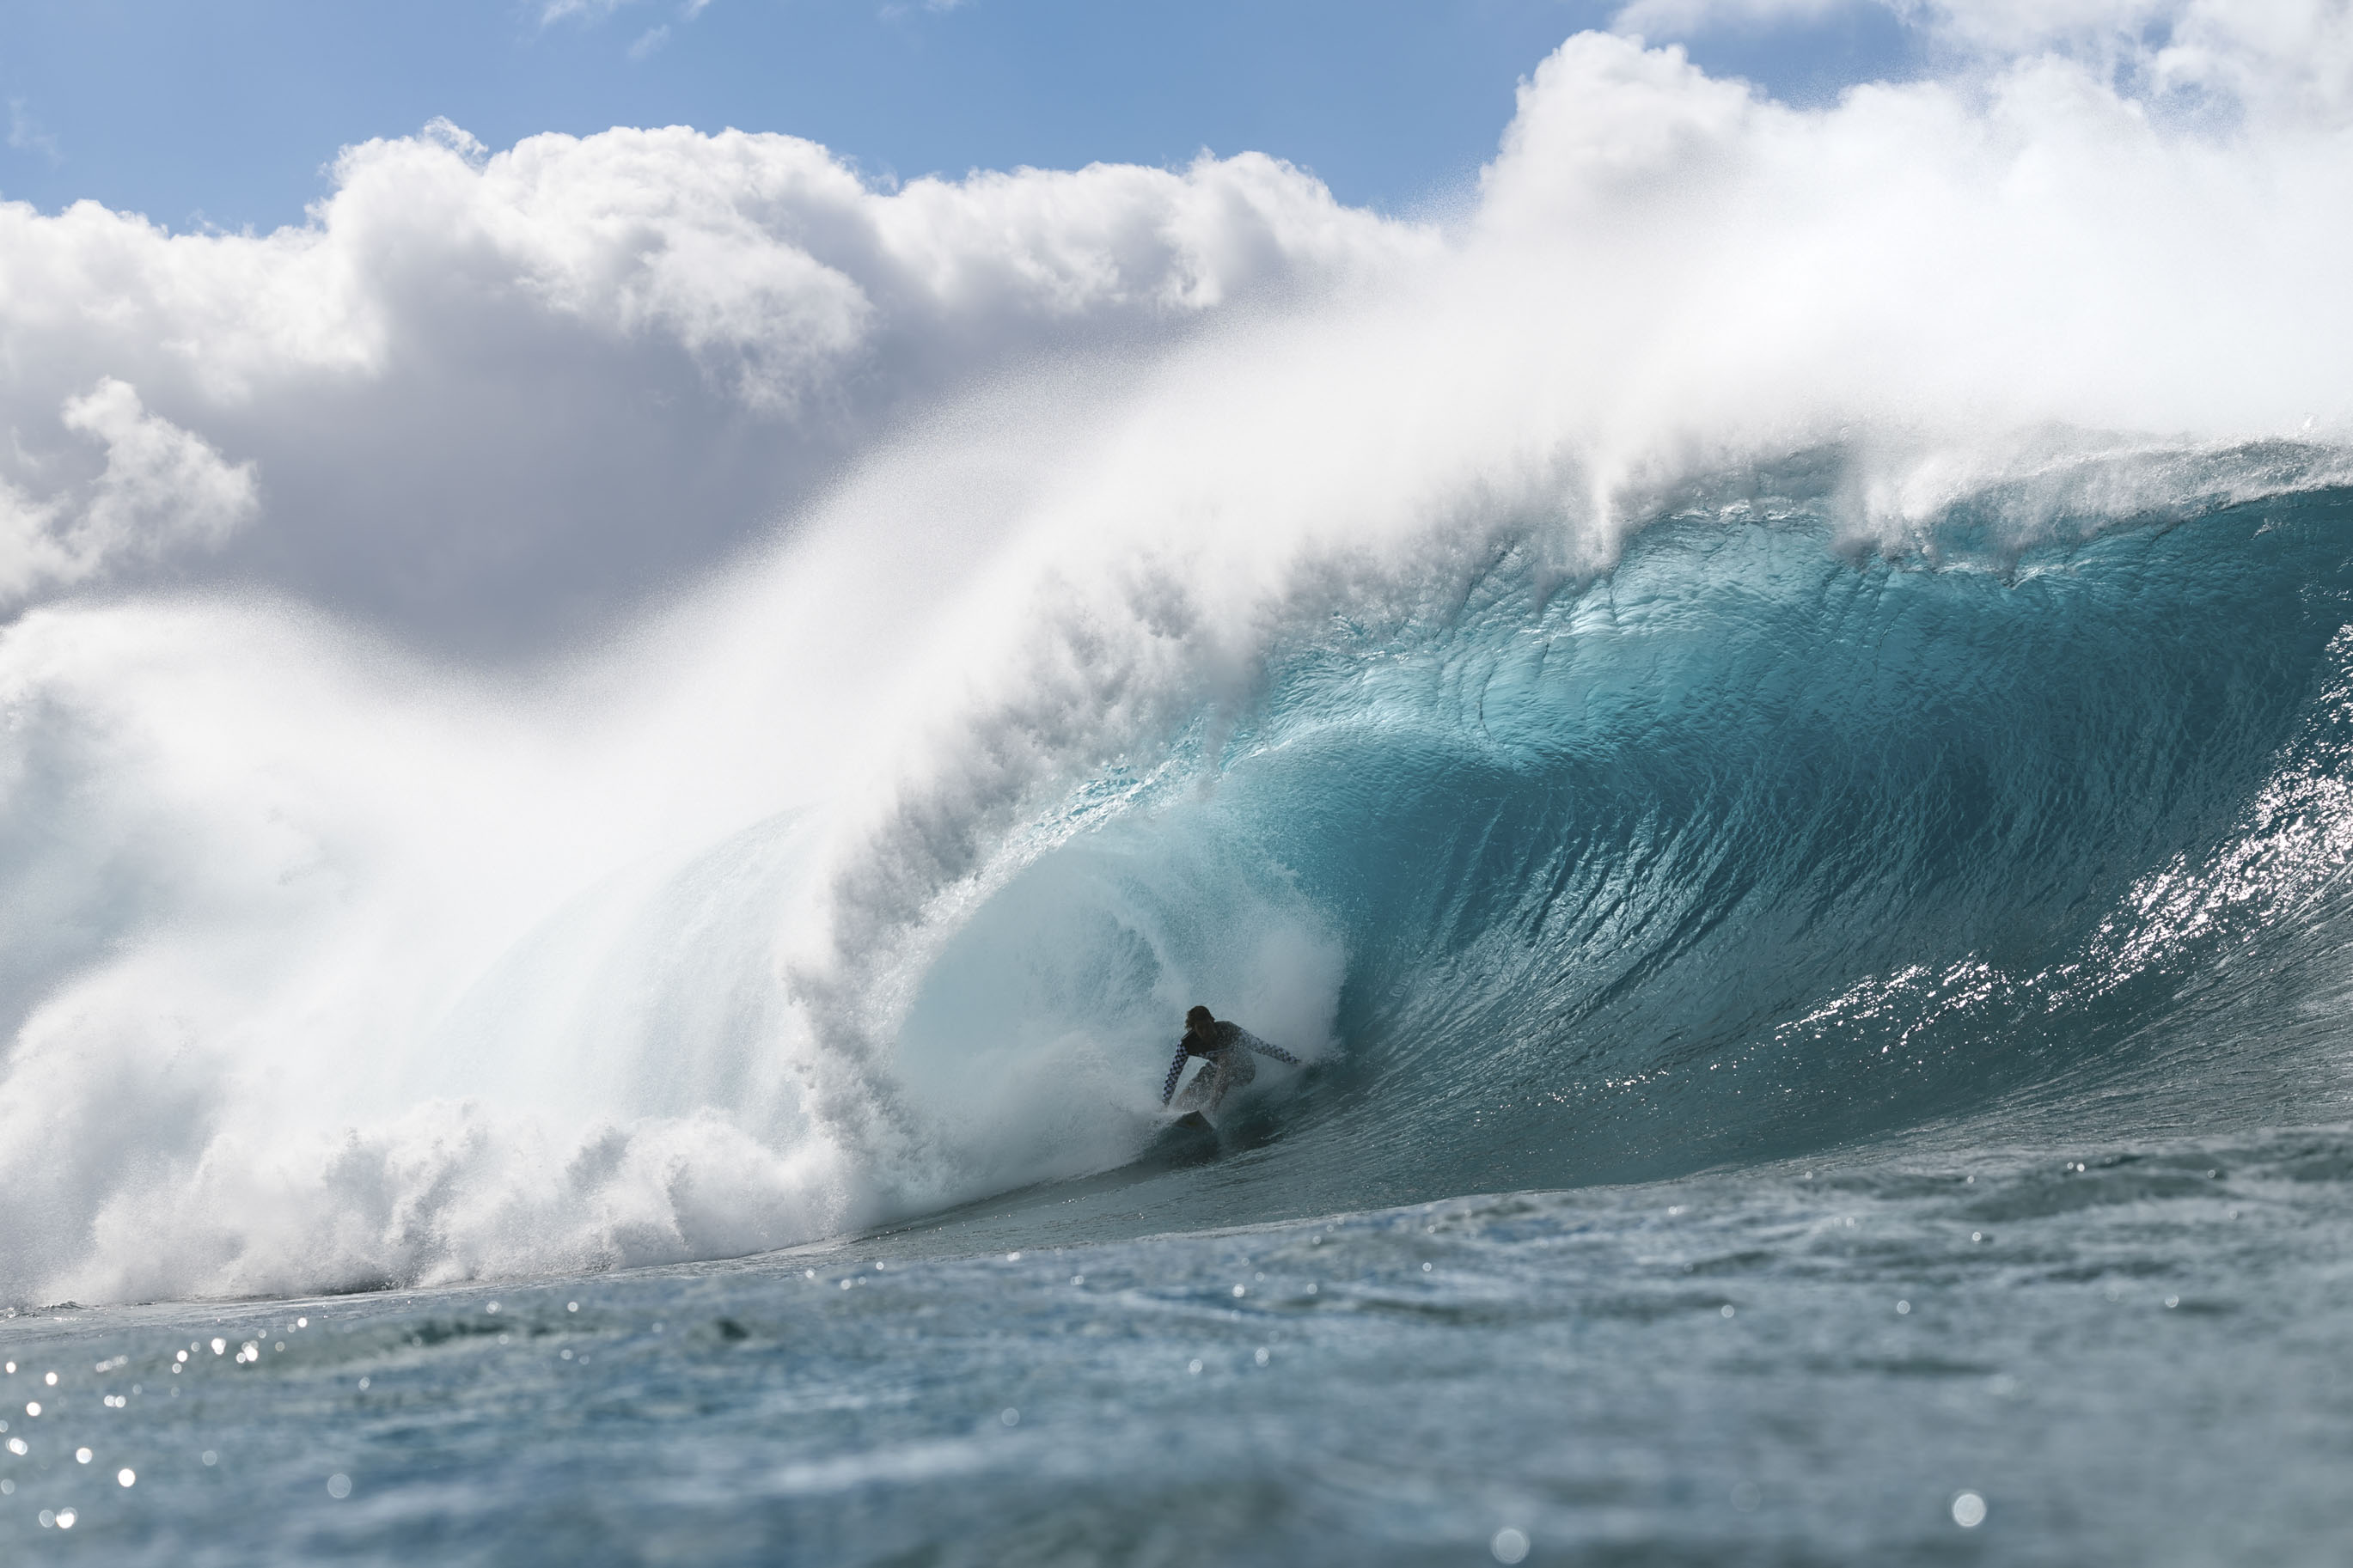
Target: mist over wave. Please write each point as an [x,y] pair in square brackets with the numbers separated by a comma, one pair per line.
[1772,626]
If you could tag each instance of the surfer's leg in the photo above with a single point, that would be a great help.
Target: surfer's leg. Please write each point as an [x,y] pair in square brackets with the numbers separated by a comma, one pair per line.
[1233,1070]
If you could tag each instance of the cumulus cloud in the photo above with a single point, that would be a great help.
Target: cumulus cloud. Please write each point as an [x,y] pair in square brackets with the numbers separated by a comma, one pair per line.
[2268,58]
[497,396]
[161,490]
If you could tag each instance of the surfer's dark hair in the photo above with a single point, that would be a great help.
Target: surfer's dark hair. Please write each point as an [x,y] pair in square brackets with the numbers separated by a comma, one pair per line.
[1197,1018]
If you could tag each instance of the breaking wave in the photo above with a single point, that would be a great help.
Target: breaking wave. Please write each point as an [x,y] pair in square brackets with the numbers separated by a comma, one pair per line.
[1770,834]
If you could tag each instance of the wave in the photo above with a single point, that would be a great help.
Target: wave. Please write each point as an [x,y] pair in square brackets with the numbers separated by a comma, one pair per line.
[1755,845]
[1769,833]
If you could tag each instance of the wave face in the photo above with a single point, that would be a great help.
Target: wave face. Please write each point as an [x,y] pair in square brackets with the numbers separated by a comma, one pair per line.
[1759,841]
[1756,844]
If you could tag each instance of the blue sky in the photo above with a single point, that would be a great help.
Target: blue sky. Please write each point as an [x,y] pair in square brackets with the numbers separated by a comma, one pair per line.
[228,112]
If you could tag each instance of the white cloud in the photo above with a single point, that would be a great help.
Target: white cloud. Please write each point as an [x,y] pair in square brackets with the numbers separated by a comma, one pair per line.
[160,490]
[2269,59]
[548,380]
[25,135]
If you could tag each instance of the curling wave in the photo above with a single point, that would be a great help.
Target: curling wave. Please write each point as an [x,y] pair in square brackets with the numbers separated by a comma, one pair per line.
[1755,845]
[1768,836]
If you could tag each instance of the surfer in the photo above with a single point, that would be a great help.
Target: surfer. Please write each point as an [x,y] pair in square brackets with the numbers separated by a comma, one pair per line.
[1226,1048]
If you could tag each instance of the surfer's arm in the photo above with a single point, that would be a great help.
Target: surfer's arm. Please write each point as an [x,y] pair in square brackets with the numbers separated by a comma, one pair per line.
[1176,1071]
[1262,1048]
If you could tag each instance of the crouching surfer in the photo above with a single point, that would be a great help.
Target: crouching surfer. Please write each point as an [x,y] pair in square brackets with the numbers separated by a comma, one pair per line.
[1225,1050]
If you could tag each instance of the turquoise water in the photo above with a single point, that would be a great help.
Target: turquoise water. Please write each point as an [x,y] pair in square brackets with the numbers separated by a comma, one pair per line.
[1829,1055]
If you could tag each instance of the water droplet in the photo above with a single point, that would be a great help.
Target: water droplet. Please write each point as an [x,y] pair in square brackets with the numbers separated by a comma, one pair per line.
[1968,1510]
[126,1477]
[1727,1309]
[1238,1291]
[1262,1355]
[339,1486]
[82,1456]
[1009,1415]
[51,1379]
[363,1383]
[1012,1258]
[1902,1308]
[32,1407]
[2172,1302]
[1194,1366]
[1510,1545]
[220,1347]
[571,1306]
[1425,1268]
[301,1322]
[210,1458]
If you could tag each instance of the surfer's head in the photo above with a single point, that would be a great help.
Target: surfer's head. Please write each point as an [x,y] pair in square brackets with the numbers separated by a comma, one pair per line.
[1198,1018]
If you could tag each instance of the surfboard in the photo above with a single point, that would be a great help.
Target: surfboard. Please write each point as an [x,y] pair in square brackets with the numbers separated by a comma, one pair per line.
[1189,1134]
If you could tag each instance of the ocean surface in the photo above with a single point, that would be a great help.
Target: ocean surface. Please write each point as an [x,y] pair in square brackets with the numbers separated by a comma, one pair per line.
[1819,1049]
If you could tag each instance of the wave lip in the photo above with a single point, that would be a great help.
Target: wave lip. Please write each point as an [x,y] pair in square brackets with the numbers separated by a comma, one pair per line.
[1758,841]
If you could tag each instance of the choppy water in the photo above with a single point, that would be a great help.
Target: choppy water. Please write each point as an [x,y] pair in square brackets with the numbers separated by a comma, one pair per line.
[2131,1352]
